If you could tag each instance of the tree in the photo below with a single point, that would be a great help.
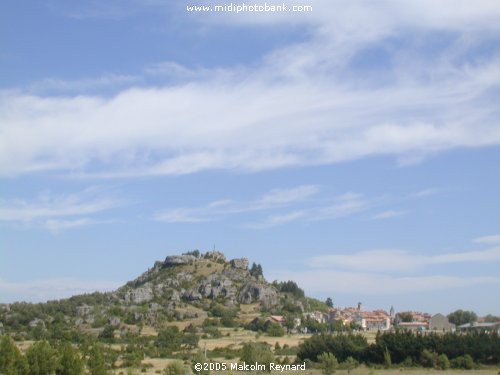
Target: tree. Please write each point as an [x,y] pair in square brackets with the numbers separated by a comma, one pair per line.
[465,362]
[491,318]
[406,317]
[12,362]
[70,362]
[443,363]
[289,322]
[108,333]
[387,358]
[41,359]
[275,330]
[190,340]
[253,352]
[329,363]
[329,302]
[460,317]
[174,368]
[428,358]
[97,360]
[199,358]
[169,338]
[256,270]
[350,363]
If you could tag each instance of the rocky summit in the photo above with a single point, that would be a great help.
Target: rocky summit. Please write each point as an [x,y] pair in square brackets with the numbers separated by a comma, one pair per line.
[189,287]
[188,278]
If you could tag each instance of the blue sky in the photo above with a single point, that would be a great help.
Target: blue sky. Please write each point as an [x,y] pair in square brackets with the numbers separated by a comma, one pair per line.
[354,148]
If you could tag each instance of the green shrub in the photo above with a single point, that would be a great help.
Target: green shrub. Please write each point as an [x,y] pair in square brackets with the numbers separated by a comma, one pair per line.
[443,363]
[42,359]
[12,361]
[464,362]
[350,364]
[70,361]
[428,358]
[174,368]
[329,363]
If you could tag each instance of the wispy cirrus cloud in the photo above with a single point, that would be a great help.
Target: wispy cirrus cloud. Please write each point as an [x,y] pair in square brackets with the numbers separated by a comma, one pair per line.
[84,85]
[490,240]
[389,214]
[306,103]
[401,261]
[367,283]
[392,272]
[276,198]
[286,206]
[49,289]
[57,212]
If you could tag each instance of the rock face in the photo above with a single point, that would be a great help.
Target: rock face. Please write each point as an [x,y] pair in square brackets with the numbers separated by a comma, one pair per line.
[216,256]
[191,295]
[114,321]
[37,322]
[83,310]
[256,292]
[217,285]
[139,295]
[177,260]
[241,263]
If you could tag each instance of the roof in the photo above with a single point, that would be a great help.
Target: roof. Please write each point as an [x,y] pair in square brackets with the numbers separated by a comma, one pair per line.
[413,324]
[479,325]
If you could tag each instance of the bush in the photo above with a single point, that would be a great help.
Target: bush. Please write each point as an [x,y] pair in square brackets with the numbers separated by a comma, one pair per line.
[12,362]
[199,358]
[350,364]
[428,358]
[464,362]
[328,363]
[443,363]
[107,334]
[275,330]
[408,362]
[97,360]
[42,359]
[257,352]
[70,362]
[174,368]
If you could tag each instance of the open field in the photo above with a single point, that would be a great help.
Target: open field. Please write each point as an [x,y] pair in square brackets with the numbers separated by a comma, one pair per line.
[239,337]
[160,364]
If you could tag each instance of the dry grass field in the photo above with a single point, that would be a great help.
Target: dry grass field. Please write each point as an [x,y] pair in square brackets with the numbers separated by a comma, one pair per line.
[232,338]
[159,364]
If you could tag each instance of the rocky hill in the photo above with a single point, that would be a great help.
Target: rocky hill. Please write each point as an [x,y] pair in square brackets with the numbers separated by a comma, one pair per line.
[188,287]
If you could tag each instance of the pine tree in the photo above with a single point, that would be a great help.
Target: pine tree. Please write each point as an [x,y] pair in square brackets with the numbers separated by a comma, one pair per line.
[70,362]
[12,361]
[42,359]
[97,361]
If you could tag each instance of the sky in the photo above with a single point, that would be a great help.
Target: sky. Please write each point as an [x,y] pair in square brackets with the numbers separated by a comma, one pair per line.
[353,148]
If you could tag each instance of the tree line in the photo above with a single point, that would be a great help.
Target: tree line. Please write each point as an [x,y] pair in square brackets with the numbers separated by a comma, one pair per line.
[407,349]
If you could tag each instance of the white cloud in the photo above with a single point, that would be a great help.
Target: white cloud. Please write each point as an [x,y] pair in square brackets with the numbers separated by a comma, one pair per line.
[366,283]
[56,226]
[82,85]
[279,219]
[342,206]
[401,261]
[389,214]
[276,200]
[50,289]
[491,240]
[429,192]
[219,209]
[48,209]
[390,272]
[303,105]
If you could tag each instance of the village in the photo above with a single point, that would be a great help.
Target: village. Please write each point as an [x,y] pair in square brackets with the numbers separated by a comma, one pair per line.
[380,320]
